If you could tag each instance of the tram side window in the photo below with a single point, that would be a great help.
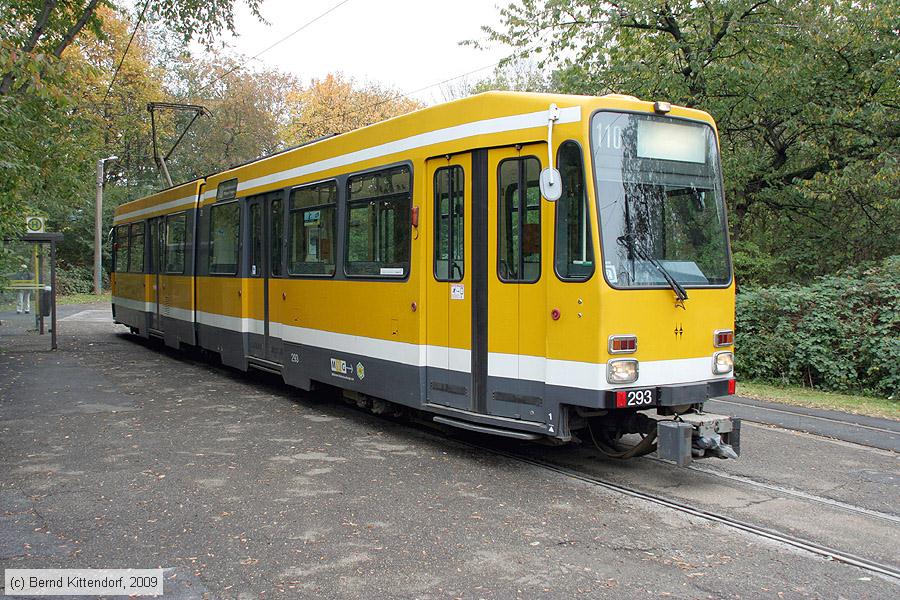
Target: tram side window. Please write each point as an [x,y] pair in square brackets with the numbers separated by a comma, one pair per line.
[276,238]
[122,249]
[176,225]
[574,251]
[313,231]
[153,245]
[256,240]
[519,217]
[378,214]
[136,246]
[449,224]
[224,227]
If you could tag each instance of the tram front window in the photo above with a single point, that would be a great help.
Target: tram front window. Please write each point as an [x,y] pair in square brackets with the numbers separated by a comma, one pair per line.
[660,201]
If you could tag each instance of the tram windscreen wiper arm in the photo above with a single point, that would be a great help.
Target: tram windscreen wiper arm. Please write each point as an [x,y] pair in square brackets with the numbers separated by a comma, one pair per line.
[679,290]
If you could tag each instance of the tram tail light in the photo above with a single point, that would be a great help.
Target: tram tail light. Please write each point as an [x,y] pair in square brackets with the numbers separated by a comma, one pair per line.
[621,399]
[723,337]
[732,387]
[622,344]
[623,370]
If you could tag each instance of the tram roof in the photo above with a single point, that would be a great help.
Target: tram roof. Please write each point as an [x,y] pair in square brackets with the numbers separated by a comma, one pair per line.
[447,128]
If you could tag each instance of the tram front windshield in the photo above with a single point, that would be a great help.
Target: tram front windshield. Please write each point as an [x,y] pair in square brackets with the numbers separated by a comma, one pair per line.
[660,201]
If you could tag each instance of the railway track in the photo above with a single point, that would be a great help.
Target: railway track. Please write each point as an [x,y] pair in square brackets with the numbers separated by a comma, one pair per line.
[812,547]
[872,428]
[790,492]
[815,548]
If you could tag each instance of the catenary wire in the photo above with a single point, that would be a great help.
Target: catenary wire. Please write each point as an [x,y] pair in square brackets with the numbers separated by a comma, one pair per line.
[127,48]
[416,91]
[242,64]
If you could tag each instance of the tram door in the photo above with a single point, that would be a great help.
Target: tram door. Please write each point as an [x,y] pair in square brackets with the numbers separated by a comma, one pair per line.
[517,307]
[449,288]
[155,249]
[263,345]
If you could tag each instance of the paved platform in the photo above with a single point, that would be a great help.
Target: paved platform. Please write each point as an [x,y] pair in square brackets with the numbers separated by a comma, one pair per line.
[859,429]
[115,452]
[21,330]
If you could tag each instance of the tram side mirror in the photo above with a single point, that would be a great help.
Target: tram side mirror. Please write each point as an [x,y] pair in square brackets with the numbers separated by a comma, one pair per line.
[550,179]
[551,184]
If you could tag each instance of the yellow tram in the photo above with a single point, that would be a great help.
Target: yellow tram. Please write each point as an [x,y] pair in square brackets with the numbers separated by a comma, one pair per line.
[529,265]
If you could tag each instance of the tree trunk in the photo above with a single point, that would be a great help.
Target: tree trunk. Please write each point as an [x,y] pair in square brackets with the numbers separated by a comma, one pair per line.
[37,33]
[76,28]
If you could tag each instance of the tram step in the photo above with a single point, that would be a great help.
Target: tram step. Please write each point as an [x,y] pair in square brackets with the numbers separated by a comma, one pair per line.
[519,435]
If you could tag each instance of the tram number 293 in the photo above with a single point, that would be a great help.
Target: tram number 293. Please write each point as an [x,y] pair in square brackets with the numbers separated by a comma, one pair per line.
[639,397]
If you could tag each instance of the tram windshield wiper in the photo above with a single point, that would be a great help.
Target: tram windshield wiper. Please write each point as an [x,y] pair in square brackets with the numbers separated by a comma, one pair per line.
[627,240]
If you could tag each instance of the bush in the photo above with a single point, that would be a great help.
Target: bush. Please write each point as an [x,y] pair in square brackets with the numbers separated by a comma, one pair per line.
[840,333]
[73,279]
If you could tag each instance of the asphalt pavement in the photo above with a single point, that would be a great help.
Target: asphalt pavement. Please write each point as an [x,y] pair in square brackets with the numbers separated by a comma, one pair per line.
[116,452]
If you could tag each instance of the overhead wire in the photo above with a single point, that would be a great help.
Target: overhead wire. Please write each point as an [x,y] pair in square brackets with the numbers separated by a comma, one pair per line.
[137,25]
[413,92]
[243,63]
[396,97]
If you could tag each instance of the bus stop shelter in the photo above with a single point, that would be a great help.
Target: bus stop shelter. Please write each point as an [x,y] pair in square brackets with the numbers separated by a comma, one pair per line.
[30,262]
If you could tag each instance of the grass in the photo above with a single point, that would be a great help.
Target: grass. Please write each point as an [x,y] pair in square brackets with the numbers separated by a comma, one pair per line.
[8,303]
[84,298]
[811,398]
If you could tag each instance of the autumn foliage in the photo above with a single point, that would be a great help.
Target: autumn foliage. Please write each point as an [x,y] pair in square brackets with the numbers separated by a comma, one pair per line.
[337,104]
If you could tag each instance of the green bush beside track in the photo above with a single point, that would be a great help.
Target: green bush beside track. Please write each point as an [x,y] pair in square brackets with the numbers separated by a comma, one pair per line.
[839,333]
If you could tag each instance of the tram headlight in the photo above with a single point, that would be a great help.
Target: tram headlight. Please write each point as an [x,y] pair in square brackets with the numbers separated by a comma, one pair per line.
[623,370]
[723,362]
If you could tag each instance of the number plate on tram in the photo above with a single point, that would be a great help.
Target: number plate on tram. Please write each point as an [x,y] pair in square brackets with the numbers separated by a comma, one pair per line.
[636,398]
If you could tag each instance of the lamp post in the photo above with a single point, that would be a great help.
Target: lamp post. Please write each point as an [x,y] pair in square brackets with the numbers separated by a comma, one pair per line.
[98,225]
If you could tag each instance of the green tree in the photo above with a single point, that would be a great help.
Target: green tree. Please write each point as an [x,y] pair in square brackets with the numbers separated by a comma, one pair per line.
[35,32]
[49,132]
[804,92]
[248,109]
[515,74]
[114,124]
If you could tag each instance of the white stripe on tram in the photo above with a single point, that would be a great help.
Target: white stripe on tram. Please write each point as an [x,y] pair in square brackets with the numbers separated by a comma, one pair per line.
[570,114]
[563,373]
[186,202]
[518,122]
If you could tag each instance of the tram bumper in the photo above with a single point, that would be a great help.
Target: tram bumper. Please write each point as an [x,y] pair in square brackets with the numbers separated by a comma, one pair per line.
[698,435]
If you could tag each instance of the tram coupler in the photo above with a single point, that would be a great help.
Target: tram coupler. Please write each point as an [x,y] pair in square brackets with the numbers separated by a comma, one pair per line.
[698,435]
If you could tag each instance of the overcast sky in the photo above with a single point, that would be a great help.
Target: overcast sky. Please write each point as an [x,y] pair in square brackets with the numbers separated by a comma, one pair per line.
[404,44]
